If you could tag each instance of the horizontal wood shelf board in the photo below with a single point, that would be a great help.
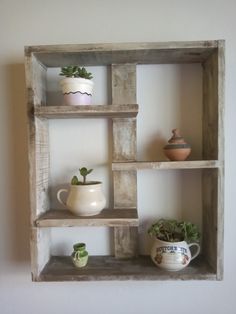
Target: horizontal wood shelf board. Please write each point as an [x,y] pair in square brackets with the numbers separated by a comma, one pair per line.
[110,111]
[108,217]
[61,268]
[165,165]
[105,54]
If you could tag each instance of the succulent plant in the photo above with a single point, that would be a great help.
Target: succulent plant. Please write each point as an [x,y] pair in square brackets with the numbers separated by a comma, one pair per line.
[75,71]
[174,231]
[83,172]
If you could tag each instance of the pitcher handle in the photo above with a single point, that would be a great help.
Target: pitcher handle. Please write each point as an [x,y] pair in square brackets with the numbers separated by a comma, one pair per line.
[77,255]
[59,196]
[198,249]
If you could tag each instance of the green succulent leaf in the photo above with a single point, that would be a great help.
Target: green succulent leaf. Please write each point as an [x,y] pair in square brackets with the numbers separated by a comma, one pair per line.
[75,71]
[84,172]
[174,231]
[74,180]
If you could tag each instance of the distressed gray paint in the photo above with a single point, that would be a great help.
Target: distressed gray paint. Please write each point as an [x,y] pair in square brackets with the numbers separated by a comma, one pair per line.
[213,147]
[124,149]
[98,111]
[164,165]
[110,268]
[106,54]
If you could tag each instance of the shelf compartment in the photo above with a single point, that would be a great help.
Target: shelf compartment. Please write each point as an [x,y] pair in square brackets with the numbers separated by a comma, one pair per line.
[108,217]
[88,111]
[164,165]
[61,268]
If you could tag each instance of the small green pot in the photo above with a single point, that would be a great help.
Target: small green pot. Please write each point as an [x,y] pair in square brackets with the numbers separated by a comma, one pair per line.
[79,255]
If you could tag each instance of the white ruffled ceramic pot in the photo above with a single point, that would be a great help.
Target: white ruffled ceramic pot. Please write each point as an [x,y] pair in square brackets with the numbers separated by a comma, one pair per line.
[84,200]
[77,91]
[173,256]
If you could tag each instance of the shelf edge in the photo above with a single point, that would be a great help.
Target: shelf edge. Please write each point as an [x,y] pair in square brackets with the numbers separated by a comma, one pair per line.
[93,111]
[165,165]
[63,218]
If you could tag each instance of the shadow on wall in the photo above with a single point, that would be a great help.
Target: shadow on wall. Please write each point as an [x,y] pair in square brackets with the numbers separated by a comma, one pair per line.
[20,222]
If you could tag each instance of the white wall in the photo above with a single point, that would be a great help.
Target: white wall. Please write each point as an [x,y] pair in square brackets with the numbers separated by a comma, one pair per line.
[54,22]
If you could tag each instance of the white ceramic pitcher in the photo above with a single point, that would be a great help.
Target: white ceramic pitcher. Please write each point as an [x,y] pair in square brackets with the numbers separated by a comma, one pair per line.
[84,200]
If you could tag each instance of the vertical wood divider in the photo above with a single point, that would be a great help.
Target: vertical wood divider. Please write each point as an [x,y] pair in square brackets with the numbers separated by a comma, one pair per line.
[213,148]
[38,163]
[124,149]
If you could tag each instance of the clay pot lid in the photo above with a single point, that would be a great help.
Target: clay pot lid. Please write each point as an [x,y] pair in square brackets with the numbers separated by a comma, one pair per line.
[176,141]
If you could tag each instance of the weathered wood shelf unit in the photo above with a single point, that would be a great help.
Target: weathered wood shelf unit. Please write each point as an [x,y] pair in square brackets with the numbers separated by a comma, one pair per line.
[126,264]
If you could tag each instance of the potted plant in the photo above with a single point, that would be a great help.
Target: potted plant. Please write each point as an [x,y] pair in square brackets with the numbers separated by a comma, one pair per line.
[85,197]
[77,86]
[172,242]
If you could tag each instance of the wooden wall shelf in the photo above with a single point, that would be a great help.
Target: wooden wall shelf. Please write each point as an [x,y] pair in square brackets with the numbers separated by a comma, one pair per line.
[98,111]
[108,217]
[122,59]
[164,165]
[107,54]
[61,268]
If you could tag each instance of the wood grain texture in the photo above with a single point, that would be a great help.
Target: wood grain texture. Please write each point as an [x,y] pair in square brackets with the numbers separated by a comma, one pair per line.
[38,163]
[42,165]
[108,217]
[91,111]
[124,130]
[164,165]
[125,189]
[123,83]
[221,153]
[213,105]
[210,108]
[38,81]
[221,98]
[124,139]
[220,224]
[210,221]
[124,148]
[61,268]
[39,250]
[120,53]
[37,138]
[126,242]
[213,147]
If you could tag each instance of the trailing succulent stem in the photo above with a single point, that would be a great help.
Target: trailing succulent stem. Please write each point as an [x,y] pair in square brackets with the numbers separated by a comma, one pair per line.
[174,231]
[83,172]
[76,71]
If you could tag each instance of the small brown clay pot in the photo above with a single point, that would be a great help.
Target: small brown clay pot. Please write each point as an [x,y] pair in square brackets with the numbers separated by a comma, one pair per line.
[177,149]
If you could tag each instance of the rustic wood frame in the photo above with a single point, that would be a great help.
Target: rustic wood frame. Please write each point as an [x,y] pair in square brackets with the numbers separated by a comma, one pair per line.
[122,58]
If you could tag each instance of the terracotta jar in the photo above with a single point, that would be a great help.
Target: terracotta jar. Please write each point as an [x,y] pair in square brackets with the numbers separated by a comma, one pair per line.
[177,149]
